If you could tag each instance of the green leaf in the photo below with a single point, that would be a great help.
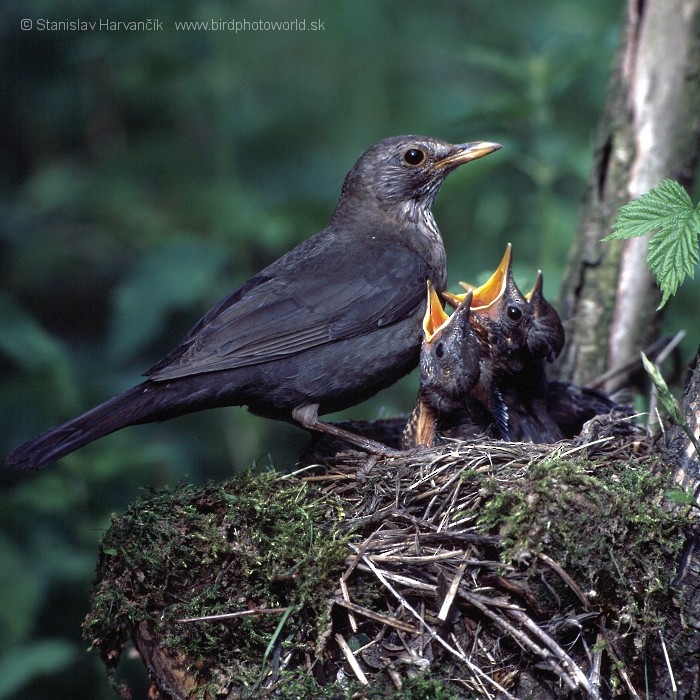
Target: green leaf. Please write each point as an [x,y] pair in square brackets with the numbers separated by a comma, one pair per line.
[663,392]
[681,497]
[22,585]
[501,62]
[673,254]
[668,212]
[172,276]
[662,207]
[24,341]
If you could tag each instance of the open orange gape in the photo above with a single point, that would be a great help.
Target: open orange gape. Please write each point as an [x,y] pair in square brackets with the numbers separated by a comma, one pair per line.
[483,368]
[484,298]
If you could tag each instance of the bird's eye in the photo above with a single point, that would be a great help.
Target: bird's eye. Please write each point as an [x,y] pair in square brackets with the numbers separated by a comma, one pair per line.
[439,350]
[414,156]
[514,313]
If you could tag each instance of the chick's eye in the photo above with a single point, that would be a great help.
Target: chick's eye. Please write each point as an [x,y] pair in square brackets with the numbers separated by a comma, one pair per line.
[439,350]
[514,313]
[414,156]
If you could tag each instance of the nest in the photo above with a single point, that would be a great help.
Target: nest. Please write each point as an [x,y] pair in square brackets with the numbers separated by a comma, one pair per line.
[475,569]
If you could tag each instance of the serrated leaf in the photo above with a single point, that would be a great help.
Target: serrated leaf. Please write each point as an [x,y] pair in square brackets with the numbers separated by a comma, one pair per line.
[662,207]
[673,254]
[667,212]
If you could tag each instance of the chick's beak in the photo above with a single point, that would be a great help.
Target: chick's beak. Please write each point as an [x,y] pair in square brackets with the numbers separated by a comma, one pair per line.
[495,287]
[536,288]
[485,296]
[435,316]
[463,310]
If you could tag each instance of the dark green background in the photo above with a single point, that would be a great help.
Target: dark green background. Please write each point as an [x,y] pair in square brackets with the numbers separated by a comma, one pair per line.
[144,175]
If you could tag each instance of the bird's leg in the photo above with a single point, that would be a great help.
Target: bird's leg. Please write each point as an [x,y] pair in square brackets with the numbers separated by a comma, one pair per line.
[307,416]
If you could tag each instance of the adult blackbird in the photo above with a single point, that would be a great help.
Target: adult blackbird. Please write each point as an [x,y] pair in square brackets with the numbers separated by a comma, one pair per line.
[324,327]
[449,369]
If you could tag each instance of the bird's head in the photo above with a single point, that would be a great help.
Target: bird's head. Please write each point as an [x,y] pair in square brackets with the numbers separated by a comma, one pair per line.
[546,338]
[408,170]
[449,359]
[502,317]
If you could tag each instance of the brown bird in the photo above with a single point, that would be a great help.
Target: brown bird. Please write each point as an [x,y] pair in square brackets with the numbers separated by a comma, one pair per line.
[516,337]
[324,327]
[449,369]
[546,336]
[525,405]
[568,405]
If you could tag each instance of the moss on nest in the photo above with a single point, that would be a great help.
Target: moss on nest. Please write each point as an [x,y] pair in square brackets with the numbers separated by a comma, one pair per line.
[471,570]
[250,543]
[607,523]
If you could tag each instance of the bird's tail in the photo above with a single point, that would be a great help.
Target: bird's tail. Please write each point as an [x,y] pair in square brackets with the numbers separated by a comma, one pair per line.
[137,405]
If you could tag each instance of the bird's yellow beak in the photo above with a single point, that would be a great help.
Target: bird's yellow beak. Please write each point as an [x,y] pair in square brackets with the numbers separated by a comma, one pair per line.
[466,152]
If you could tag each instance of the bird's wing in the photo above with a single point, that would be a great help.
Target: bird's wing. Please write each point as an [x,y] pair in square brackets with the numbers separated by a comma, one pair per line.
[321,300]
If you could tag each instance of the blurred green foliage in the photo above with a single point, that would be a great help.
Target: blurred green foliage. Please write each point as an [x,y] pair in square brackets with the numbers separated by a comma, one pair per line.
[143,175]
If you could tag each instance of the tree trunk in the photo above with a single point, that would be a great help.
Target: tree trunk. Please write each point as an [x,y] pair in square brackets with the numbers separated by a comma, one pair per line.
[650,130]
[688,473]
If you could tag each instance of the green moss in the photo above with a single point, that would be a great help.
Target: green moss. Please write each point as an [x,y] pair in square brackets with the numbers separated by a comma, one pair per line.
[298,685]
[606,523]
[281,544]
[258,542]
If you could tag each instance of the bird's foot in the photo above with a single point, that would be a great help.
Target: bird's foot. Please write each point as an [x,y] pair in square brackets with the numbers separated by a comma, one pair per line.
[307,416]
[375,448]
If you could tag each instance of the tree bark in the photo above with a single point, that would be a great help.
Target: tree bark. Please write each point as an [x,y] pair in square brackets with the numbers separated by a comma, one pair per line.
[688,472]
[650,130]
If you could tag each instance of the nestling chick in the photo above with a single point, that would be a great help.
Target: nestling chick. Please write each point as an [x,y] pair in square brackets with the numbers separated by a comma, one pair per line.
[449,368]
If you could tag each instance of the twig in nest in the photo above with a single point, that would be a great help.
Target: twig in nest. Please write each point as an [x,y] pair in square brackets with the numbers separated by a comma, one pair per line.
[575,674]
[384,619]
[350,658]
[672,678]
[452,592]
[619,665]
[565,667]
[405,604]
[566,578]
[398,578]
[594,677]
[240,613]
